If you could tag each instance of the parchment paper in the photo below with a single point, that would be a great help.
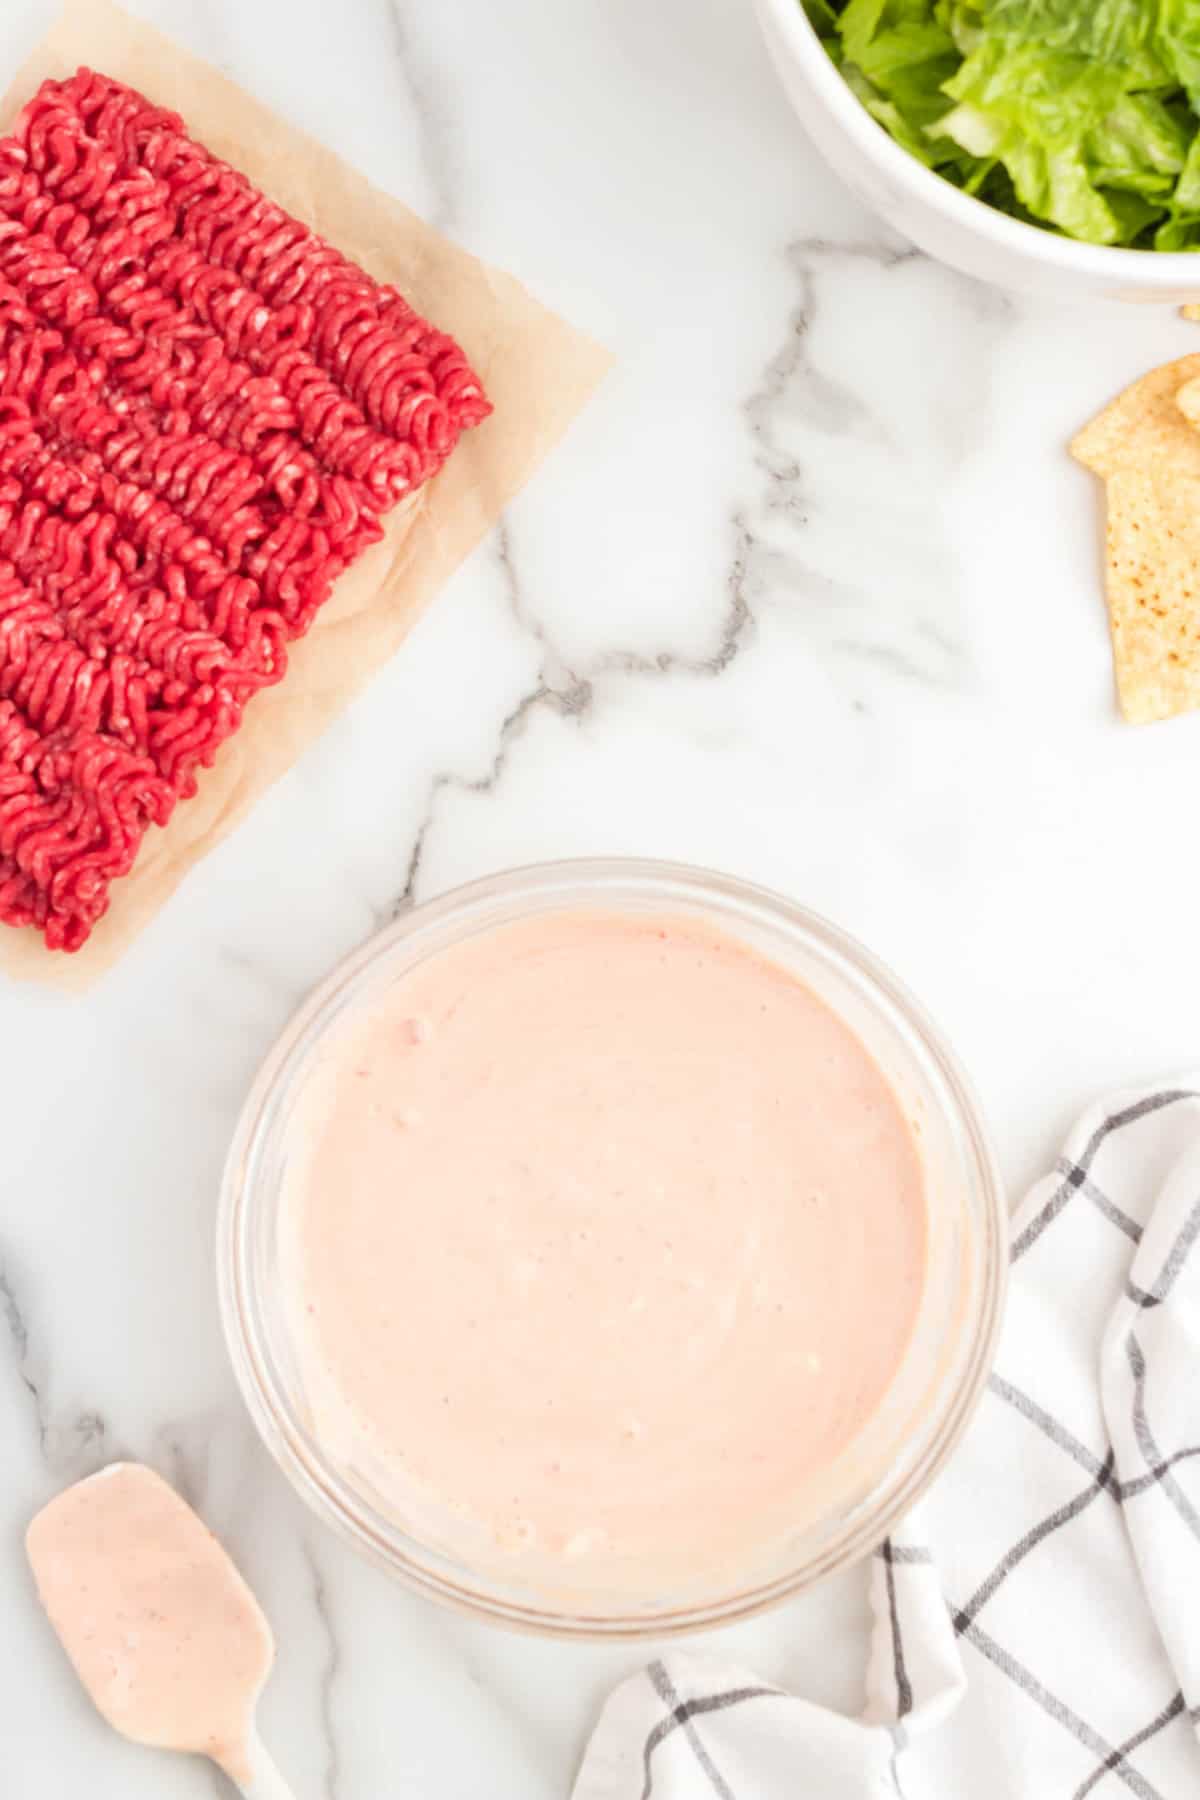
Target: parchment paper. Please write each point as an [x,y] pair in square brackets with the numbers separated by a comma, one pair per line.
[537,372]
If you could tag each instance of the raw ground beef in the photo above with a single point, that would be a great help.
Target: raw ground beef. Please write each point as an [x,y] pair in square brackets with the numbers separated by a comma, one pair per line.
[205,411]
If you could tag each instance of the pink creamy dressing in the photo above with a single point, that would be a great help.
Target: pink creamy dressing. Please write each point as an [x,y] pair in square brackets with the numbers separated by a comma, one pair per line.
[606,1237]
[163,1632]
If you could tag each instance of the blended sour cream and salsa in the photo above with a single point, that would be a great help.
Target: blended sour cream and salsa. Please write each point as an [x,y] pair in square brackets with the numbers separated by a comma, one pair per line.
[604,1236]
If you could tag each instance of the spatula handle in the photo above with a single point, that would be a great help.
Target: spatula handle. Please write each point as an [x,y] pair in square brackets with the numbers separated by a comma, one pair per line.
[265,1783]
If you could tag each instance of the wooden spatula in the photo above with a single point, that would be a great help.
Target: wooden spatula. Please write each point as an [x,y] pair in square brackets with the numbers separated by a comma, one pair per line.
[164,1634]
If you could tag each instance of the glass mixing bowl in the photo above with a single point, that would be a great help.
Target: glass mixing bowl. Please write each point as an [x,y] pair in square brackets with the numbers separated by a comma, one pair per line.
[885,1469]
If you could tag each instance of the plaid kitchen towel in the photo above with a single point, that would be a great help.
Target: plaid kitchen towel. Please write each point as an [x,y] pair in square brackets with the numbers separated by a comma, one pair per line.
[1037,1622]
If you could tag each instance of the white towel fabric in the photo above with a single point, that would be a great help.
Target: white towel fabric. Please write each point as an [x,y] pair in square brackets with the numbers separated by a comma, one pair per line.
[1037,1622]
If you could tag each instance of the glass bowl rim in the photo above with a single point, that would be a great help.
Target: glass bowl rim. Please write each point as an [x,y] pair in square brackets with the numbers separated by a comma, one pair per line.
[577,881]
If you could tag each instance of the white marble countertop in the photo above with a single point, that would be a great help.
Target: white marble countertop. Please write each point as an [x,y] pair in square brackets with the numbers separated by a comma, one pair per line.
[810,593]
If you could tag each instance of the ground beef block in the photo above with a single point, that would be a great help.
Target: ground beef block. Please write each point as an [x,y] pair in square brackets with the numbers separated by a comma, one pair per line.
[205,412]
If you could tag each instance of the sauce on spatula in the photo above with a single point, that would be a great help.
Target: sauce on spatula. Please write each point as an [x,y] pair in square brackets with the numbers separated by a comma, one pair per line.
[164,1634]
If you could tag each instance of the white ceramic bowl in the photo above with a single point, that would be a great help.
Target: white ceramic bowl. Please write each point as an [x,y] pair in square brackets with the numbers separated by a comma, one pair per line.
[949,224]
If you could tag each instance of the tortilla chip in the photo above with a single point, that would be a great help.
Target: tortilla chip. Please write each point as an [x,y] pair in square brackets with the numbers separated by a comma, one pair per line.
[1148,454]
[1191,311]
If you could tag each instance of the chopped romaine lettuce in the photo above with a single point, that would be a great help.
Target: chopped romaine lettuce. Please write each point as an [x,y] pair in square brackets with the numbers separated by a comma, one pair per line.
[1082,115]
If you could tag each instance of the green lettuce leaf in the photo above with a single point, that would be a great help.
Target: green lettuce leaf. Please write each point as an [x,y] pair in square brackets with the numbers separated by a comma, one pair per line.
[1140,144]
[1177,41]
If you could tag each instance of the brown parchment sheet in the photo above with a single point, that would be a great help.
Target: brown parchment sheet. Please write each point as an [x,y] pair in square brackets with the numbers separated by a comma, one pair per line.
[538,373]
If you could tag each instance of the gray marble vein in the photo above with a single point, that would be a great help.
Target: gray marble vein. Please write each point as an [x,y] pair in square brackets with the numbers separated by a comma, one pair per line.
[733,629]
[330,1787]
[570,693]
[73,1445]
[569,704]
[835,452]
[18,1333]
[424,91]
